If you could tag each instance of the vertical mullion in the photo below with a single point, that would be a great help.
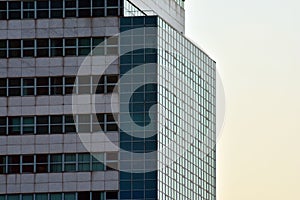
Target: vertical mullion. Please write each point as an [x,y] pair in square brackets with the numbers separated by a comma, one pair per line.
[63,123]
[7,87]
[22,10]
[34,163]
[64,10]
[22,49]
[49,125]
[77,47]
[76,162]
[35,9]
[64,45]
[105,8]
[34,125]
[63,162]
[35,86]
[21,164]
[34,47]
[7,128]
[64,85]
[49,47]
[22,79]
[7,8]
[7,49]
[77,8]
[91,8]
[49,9]
[49,86]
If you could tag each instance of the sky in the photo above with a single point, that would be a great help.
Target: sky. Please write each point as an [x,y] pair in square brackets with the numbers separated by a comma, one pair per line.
[256,45]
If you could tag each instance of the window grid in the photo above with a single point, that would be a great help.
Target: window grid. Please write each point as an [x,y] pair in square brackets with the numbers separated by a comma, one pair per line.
[194,86]
[58,163]
[34,86]
[59,9]
[53,47]
[94,195]
[57,124]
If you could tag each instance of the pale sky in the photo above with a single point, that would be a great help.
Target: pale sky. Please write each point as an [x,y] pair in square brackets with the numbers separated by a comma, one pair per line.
[256,45]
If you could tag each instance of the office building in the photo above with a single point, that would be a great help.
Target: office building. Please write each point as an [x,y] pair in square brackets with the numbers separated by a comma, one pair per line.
[104,99]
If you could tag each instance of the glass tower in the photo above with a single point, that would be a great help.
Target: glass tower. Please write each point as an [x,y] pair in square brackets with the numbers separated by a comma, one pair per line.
[104,99]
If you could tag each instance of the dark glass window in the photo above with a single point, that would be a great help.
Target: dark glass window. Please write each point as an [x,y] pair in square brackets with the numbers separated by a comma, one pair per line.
[28,9]
[70,47]
[56,124]
[42,47]
[69,124]
[112,12]
[14,48]
[42,9]
[84,162]
[14,87]
[56,9]
[112,3]
[111,195]
[69,84]
[42,86]
[83,195]
[56,163]
[97,196]
[28,86]
[56,47]
[84,46]
[14,9]
[3,10]
[3,48]
[3,86]
[28,164]
[98,12]
[14,125]
[2,125]
[28,48]
[55,196]
[28,125]
[70,6]
[2,164]
[14,164]
[42,126]
[56,86]
[84,9]
[70,163]
[42,163]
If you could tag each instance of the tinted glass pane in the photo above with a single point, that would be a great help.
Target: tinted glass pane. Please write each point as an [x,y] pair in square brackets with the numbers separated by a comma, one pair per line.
[112,3]
[41,197]
[83,195]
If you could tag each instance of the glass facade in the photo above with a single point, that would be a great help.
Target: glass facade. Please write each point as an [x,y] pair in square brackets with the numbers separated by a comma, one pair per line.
[138,95]
[59,47]
[57,163]
[186,118]
[163,84]
[43,9]
[184,82]
[112,195]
